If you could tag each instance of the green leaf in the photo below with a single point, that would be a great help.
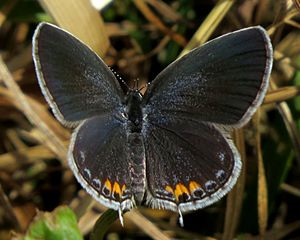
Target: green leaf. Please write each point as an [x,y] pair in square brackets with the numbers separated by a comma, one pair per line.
[61,224]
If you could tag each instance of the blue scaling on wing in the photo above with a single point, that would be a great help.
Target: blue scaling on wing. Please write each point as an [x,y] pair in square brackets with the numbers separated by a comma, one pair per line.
[223,81]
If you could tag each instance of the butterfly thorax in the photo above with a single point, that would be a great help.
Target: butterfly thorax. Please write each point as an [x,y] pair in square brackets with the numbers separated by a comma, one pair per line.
[134,110]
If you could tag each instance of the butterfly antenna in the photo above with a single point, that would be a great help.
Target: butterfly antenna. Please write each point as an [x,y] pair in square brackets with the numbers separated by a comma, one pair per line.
[119,78]
[137,83]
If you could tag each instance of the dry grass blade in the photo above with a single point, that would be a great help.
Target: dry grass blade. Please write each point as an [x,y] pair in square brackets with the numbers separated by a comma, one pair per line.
[281,233]
[165,10]
[281,94]
[20,60]
[87,221]
[142,223]
[262,8]
[290,189]
[286,114]
[6,9]
[82,203]
[82,20]
[8,210]
[153,52]
[49,137]
[291,13]
[43,113]
[292,23]
[209,25]
[181,233]
[9,161]
[297,4]
[235,197]
[15,140]
[142,6]
[146,226]
[278,56]
[262,196]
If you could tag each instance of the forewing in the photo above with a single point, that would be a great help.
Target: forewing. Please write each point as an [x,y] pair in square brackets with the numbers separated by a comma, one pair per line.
[190,165]
[99,158]
[223,81]
[75,81]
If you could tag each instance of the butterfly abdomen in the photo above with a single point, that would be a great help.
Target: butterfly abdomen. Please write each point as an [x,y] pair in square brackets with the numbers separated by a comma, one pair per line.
[137,166]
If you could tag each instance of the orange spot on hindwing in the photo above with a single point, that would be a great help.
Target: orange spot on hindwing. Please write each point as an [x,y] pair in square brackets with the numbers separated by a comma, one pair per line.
[116,188]
[107,188]
[196,190]
[182,194]
[123,188]
[117,191]
[169,189]
[194,186]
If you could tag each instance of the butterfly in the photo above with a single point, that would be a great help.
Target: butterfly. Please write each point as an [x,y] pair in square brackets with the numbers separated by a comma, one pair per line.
[169,148]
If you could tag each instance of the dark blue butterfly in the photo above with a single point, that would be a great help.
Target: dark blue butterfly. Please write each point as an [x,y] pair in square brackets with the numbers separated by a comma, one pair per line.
[170,148]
